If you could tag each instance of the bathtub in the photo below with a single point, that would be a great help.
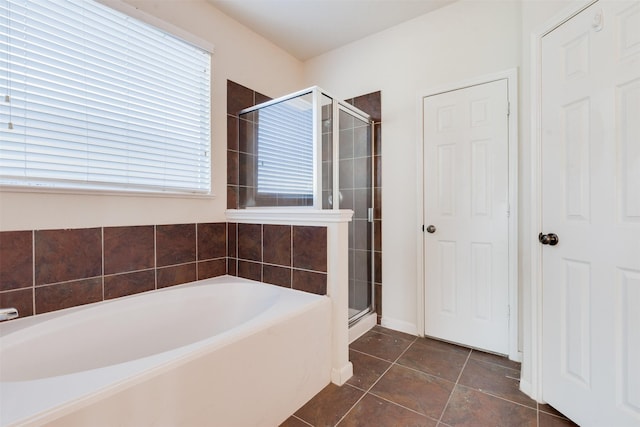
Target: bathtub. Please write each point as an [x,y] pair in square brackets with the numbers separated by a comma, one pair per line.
[216,352]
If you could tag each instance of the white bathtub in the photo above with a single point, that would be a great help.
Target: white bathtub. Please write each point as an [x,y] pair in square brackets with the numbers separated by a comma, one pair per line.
[217,352]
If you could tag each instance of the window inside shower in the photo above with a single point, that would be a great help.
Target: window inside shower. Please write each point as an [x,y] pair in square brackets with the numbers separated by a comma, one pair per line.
[310,150]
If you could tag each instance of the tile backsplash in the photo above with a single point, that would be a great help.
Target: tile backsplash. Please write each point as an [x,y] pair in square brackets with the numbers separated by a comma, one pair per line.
[284,255]
[48,270]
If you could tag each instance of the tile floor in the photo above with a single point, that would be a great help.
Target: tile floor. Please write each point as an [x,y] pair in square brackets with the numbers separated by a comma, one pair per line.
[403,381]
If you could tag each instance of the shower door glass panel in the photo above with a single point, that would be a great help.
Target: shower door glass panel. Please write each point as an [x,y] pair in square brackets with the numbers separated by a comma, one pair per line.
[356,193]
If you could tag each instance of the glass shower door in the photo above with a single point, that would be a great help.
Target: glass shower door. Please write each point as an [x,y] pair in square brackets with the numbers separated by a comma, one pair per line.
[356,193]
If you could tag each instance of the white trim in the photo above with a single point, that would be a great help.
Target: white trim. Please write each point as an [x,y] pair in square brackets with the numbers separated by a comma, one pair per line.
[362,326]
[293,216]
[532,357]
[511,75]
[154,21]
[400,325]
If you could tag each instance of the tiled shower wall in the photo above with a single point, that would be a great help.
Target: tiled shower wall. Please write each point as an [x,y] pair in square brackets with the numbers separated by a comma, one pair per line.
[372,104]
[238,179]
[47,270]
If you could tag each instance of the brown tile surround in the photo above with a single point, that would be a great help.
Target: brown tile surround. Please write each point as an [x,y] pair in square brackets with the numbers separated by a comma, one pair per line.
[400,380]
[81,266]
[285,255]
[239,181]
[47,270]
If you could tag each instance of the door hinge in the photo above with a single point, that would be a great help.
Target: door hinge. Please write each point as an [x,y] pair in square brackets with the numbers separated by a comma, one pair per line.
[508,108]
[508,310]
[508,210]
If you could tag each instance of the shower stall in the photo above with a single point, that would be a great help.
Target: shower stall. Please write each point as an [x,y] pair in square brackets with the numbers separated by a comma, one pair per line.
[309,149]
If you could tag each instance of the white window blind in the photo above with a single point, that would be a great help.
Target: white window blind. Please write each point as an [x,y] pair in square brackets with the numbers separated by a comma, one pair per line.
[285,148]
[94,99]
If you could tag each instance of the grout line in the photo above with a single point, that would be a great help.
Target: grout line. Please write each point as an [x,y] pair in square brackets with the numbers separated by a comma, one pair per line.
[300,419]
[197,254]
[500,397]
[375,382]
[102,266]
[33,271]
[454,386]
[155,256]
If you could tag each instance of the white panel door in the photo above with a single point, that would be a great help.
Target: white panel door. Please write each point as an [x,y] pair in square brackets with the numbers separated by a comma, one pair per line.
[591,201]
[466,211]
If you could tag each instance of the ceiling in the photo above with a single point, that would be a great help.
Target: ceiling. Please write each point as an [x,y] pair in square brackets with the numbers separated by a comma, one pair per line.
[308,28]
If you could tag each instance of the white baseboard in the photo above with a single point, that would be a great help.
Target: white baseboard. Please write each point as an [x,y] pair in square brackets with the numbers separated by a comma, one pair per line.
[362,327]
[400,325]
[342,375]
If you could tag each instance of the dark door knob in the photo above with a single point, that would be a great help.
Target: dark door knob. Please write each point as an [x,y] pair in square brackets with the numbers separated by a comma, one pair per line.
[548,239]
[431,229]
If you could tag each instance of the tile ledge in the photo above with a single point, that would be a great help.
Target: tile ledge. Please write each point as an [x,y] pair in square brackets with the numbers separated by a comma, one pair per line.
[295,216]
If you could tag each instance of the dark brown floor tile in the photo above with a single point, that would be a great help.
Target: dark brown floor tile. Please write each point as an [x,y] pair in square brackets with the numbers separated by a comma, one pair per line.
[547,420]
[20,299]
[366,369]
[393,333]
[128,249]
[496,380]
[472,408]
[16,260]
[176,275]
[373,411]
[294,422]
[443,363]
[329,406]
[494,358]
[64,255]
[384,346]
[175,244]
[415,390]
[550,410]
[68,294]
[442,345]
[120,285]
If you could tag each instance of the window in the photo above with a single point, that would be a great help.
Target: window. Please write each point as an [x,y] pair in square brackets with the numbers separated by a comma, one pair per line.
[285,148]
[94,99]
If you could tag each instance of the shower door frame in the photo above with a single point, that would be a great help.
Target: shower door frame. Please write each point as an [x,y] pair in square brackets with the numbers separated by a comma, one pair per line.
[361,115]
[337,106]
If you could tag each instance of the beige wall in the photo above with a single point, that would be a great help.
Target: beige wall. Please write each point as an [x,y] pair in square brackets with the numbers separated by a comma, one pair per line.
[464,40]
[240,55]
